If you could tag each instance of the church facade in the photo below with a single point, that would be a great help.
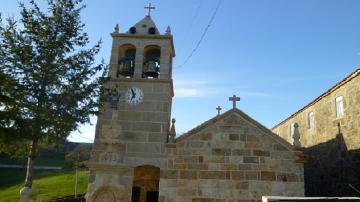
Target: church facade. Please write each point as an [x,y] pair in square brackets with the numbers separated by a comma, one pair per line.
[136,156]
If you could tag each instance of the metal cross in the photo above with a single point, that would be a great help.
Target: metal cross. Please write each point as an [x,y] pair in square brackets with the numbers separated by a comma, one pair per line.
[149,8]
[234,99]
[218,108]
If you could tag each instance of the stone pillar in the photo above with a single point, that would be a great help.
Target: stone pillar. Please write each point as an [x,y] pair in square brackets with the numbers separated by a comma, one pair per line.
[114,59]
[139,59]
[164,62]
[25,194]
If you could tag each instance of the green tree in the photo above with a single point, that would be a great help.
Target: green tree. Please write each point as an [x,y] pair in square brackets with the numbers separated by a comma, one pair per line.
[49,82]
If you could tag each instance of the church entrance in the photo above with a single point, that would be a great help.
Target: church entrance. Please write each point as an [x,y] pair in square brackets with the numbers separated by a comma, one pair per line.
[146,184]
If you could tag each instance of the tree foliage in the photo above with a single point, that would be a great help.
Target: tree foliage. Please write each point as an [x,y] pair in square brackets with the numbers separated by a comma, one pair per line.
[49,82]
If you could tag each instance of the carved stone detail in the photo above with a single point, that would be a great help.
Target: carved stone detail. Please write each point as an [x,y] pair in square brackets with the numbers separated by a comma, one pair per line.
[105,196]
[233,119]
[110,157]
[296,136]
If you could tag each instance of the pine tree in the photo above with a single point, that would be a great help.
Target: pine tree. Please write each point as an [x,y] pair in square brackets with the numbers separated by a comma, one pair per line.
[49,82]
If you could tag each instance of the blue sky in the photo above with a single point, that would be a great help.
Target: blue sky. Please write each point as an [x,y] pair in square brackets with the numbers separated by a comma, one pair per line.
[277,55]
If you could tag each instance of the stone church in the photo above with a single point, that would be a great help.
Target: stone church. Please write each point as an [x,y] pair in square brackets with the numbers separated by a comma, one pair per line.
[136,156]
[330,130]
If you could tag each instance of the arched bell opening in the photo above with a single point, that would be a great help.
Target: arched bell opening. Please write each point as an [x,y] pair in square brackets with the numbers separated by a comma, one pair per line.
[146,184]
[151,65]
[126,62]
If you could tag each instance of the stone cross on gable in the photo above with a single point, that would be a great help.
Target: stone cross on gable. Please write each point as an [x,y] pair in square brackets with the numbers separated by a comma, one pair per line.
[149,8]
[218,108]
[234,99]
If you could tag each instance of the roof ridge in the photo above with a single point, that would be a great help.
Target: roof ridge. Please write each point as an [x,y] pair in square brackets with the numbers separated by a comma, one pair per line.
[348,78]
[199,127]
[246,118]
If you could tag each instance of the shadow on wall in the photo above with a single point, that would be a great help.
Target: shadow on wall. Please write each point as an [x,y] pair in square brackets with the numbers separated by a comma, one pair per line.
[334,169]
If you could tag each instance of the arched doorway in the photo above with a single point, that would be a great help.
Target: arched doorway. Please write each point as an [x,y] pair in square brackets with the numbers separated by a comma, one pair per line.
[146,184]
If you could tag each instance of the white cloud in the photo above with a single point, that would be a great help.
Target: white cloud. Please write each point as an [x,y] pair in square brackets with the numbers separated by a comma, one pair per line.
[188,92]
[196,92]
[193,88]
[187,82]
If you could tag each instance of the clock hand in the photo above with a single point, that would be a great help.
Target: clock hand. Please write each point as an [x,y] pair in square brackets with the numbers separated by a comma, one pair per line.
[133,94]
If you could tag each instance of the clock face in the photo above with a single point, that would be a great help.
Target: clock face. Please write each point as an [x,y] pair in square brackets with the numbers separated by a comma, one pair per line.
[134,96]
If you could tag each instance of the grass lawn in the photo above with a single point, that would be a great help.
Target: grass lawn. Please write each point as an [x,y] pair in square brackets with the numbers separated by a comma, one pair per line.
[46,185]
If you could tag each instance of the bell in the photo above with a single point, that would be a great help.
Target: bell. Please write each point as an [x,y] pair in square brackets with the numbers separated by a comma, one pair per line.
[126,67]
[152,69]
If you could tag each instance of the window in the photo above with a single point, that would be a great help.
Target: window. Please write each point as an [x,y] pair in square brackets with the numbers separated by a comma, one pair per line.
[311,120]
[292,128]
[339,106]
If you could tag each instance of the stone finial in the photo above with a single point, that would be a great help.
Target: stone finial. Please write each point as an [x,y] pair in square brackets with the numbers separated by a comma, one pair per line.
[116,29]
[172,132]
[296,136]
[168,31]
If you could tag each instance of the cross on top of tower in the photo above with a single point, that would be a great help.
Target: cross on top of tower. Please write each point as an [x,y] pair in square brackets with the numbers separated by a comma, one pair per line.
[149,8]
[234,99]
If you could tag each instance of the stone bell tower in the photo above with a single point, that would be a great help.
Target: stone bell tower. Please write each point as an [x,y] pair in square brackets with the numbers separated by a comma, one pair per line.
[133,127]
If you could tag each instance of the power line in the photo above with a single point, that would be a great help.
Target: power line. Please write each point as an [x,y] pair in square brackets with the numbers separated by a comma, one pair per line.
[203,35]
[195,15]
[83,137]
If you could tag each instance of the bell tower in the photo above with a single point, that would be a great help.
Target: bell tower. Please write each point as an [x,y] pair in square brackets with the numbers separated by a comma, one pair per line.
[133,126]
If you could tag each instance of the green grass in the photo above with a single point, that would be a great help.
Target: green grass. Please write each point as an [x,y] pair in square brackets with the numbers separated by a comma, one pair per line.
[46,185]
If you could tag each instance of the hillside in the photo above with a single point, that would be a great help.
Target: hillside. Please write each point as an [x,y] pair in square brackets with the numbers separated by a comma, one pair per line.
[62,155]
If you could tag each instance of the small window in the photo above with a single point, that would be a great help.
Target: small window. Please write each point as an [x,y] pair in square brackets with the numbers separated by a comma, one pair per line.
[292,128]
[339,102]
[311,120]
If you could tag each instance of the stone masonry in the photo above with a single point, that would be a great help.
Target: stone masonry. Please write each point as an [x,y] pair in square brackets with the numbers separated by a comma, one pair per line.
[326,123]
[333,141]
[230,158]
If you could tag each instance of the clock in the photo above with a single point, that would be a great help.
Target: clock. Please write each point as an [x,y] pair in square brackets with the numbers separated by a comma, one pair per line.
[134,96]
